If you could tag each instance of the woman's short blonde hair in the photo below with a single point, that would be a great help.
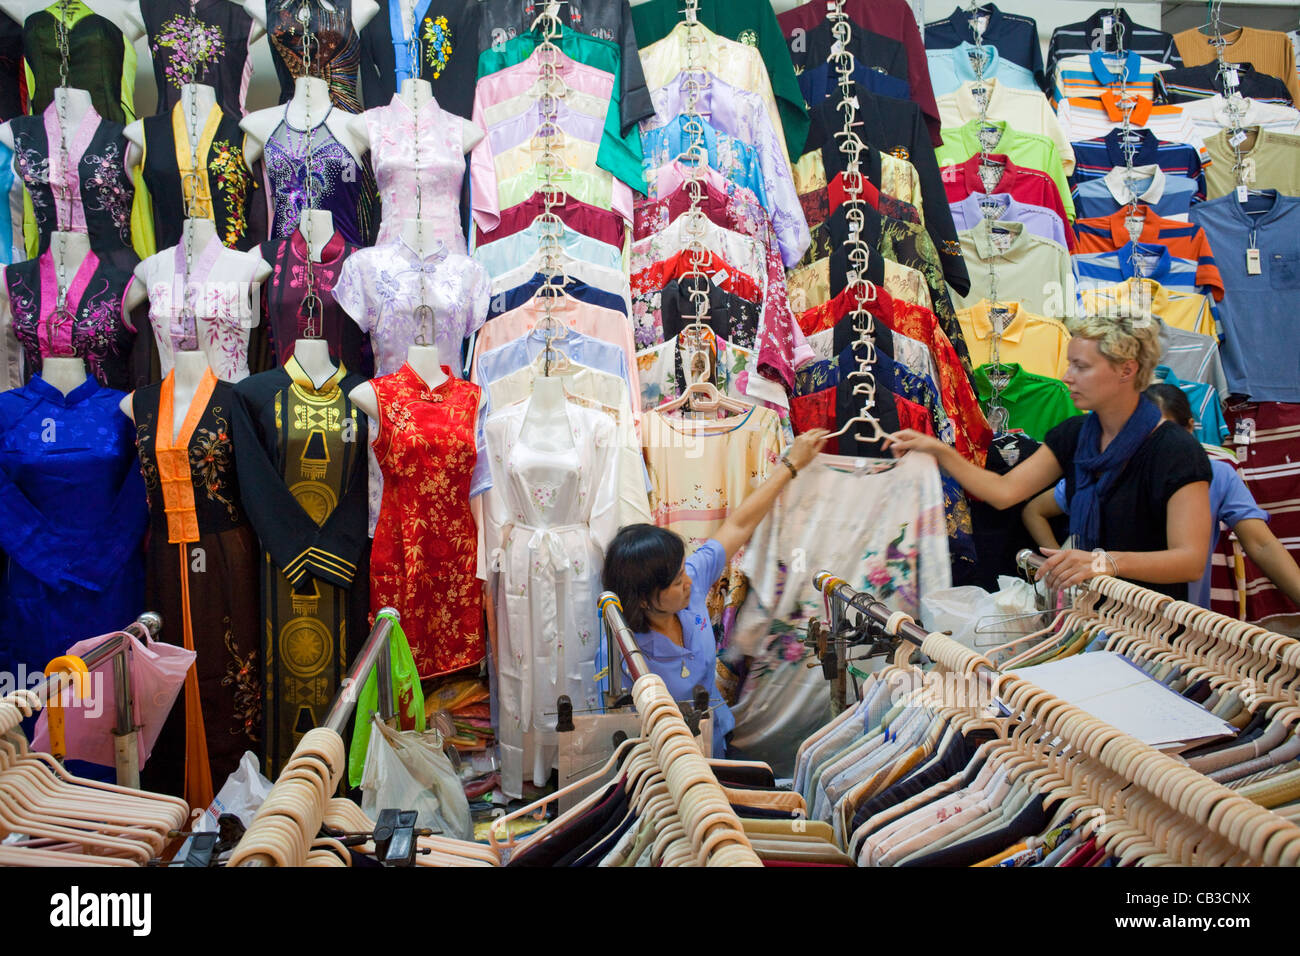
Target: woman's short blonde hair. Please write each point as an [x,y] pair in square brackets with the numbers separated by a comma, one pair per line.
[1120,338]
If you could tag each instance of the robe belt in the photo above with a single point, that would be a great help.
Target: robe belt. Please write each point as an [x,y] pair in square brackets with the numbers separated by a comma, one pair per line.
[548,542]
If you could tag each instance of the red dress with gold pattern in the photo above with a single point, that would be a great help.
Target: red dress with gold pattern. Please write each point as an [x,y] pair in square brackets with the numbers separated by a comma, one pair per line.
[424,558]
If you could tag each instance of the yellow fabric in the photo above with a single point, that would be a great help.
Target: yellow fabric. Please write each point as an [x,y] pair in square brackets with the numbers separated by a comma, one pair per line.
[1035,343]
[143,238]
[1189,311]
[200,206]
[1268,51]
[1009,851]
[573,154]
[810,286]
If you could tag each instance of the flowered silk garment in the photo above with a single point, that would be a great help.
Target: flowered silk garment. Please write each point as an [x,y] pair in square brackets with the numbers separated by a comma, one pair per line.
[98,331]
[549,517]
[424,558]
[206,43]
[335,58]
[418,150]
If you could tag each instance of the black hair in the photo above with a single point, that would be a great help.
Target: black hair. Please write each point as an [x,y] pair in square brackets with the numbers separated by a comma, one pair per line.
[640,562]
[1172,401]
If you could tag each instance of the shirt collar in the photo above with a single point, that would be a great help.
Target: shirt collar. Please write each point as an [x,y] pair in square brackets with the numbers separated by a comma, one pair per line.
[982,322]
[971,175]
[1094,22]
[1138,116]
[961,65]
[1011,390]
[1144,155]
[410,256]
[1163,373]
[970,107]
[1116,182]
[1128,267]
[984,241]
[303,380]
[961,20]
[1100,62]
[329,253]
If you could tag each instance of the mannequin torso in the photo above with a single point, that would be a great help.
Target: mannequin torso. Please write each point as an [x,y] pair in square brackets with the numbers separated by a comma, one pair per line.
[309,107]
[416,92]
[422,236]
[546,421]
[68,250]
[196,102]
[316,227]
[63,372]
[125,13]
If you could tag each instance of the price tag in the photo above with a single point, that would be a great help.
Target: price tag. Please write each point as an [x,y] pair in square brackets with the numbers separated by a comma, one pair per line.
[1252,262]
[1231,78]
[1107,25]
[854,100]
[1245,432]
[1243,193]
[980,24]
[720,277]
[1237,138]
[837,47]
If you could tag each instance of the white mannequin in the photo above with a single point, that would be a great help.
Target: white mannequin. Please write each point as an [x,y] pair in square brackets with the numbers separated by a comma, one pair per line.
[64,372]
[196,100]
[188,373]
[74,104]
[317,229]
[415,92]
[308,108]
[546,419]
[422,236]
[68,250]
[363,11]
[124,13]
[314,357]
[198,233]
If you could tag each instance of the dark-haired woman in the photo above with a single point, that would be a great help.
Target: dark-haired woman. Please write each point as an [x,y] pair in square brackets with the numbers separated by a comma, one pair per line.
[664,593]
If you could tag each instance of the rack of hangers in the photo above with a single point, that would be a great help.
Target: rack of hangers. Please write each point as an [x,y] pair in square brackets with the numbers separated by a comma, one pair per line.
[851,146]
[673,784]
[1137,803]
[549,28]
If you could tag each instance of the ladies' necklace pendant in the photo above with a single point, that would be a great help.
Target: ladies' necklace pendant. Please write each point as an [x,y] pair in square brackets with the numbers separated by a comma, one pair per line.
[686,671]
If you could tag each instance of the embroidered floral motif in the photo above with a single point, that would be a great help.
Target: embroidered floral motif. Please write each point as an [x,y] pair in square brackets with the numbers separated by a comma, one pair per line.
[242,673]
[748,37]
[144,442]
[110,190]
[211,457]
[437,34]
[234,181]
[195,46]
[544,495]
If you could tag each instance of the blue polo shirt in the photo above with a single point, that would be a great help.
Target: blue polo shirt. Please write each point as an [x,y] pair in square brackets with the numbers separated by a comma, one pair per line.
[696,663]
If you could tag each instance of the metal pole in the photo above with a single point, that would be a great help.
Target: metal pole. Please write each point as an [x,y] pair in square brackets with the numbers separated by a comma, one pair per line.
[865,603]
[621,637]
[346,700]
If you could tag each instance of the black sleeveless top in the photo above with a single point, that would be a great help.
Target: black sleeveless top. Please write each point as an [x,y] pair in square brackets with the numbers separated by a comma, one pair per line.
[104,189]
[98,60]
[226,66]
[230,184]
[337,57]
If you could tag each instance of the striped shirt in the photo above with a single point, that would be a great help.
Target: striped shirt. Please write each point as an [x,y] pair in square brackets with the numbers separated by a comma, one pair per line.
[1210,426]
[1094,158]
[1193,357]
[1183,311]
[1169,196]
[1213,114]
[1097,270]
[1197,82]
[1094,74]
[1268,51]
[1080,39]
[1184,240]
[1083,119]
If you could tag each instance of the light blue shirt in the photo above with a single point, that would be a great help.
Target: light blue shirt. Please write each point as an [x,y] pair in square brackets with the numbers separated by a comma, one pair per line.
[578,348]
[1095,198]
[682,668]
[733,157]
[501,256]
[1098,269]
[950,68]
[1044,223]
[1211,429]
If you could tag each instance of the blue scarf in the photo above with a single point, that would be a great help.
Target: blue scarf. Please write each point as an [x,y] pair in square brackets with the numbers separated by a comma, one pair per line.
[1096,471]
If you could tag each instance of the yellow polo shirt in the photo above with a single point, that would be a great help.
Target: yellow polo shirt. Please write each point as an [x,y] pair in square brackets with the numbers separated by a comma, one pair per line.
[1035,343]
[1189,311]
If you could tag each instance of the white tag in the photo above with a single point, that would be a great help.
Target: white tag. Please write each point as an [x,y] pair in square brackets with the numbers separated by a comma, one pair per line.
[1107,25]
[837,47]
[980,24]
[720,277]
[854,100]
[1232,79]
[1252,262]
[1243,193]
[1237,138]
[1245,432]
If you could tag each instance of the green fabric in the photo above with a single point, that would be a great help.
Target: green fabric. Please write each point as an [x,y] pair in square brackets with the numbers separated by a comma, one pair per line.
[1030,150]
[752,22]
[143,238]
[619,154]
[1035,404]
[408,698]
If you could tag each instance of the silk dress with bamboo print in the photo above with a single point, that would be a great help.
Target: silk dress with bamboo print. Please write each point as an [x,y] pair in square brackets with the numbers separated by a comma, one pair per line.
[302,471]
[424,560]
[548,519]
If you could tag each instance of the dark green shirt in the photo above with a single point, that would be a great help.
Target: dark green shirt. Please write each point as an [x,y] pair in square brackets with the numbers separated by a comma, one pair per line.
[746,21]
[1036,404]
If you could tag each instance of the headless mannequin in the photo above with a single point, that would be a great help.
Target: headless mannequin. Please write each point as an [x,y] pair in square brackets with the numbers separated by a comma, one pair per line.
[74,104]
[422,236]
[187,375]
[68,250]
[363,11]
[415,93]
[546,419]
[317,229]
[309,107]
[125,14]
[196,102]
[64,372]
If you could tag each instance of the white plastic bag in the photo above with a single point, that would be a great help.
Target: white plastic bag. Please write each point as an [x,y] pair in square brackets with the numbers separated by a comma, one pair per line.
[242,794]
[999,617]
[407,770]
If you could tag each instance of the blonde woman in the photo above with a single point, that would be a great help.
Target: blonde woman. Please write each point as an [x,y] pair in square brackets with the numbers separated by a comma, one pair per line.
[1138,488]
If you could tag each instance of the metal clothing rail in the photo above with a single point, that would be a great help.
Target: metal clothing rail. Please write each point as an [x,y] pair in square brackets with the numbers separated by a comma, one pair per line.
[126,749]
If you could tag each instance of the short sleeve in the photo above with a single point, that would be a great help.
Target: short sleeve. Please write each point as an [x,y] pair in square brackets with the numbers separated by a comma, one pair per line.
[706,565]
[1058,493]
[1238,503]
[349,293]
[479,291]
[1063,440]
[480,479]
[1181,461]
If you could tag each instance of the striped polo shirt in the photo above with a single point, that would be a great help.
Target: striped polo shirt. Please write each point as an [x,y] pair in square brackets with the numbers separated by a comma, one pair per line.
[1184,240]
[1083,119]
[1080,39]
[1190,83]
[1094,158]
[1098,270]
[1186,311]
[1098,72]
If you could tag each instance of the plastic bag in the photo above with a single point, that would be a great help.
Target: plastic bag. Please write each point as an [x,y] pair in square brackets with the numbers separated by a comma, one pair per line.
[242,794]
[157,674]
[407,770]
[1000,616]
[408,700]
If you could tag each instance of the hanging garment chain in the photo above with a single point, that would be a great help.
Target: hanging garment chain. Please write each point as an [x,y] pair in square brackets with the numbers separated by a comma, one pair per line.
[63,193]
[550,246]
[313,309]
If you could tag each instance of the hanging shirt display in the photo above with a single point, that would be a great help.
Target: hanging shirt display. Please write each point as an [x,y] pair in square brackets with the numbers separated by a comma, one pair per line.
[1029,186]
[1170,197]
[1026,110]
[1197,82]
[92,193]
[1268,51]
[223,60]
[217,283]
[100,331]
[426,548]
[1035,404]
[1015,37]
[1269,160]
[298,158]
[1094,158]
[1080,39]
[1032,271]
[1034,342]
[221,187]
[1210,428]
[1214,113]
[335,56]
[98,50]
[952,67]
[1029,150]
[303,486]
[72,516]
[1096,270]
[1083,118]
[1003,207]
[443,37]
[1183,240]
[550,515]
[1176,309]
[1098,73]
[286,307]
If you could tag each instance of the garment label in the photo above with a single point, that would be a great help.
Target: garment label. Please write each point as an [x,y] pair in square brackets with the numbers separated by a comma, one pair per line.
[1000,317]
[989,136]
[1134,226]
[1107,25]
[979,24]
[1243,193]
[1001,240]
[1245,432]
[1237,138]
[990,175]
[981,94]
[1231,79]
[720,277]
[1252,262]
